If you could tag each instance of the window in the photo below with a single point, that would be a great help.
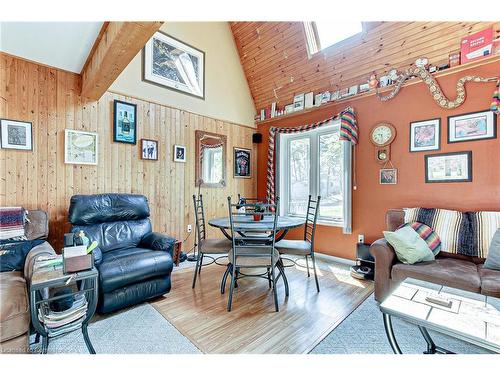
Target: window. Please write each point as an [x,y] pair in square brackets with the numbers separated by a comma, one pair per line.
[323,34]
[316,162]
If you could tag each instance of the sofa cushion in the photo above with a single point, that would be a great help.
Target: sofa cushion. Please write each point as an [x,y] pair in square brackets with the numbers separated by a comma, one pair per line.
[490,281]
[493,259]
[123,267]
[427,234]
[14,309]
[409,246]
[450,272]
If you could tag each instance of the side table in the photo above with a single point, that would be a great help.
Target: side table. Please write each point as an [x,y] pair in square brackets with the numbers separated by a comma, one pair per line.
[46,278]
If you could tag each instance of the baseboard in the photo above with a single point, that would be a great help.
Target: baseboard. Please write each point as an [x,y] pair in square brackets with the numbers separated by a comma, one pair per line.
[332,258]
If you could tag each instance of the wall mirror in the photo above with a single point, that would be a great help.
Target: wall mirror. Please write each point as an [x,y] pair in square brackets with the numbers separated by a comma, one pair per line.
[210,159]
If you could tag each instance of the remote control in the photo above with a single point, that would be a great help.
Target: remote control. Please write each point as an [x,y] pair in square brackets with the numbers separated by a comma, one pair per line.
[438,300]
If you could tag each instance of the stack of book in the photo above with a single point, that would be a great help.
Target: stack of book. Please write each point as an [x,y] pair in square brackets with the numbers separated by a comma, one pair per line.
[65,321]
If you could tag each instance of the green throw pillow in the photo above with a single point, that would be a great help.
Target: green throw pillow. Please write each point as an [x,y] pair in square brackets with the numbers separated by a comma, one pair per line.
[493,259]
[409,246]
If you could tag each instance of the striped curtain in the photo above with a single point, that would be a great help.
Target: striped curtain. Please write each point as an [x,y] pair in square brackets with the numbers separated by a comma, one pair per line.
[348,132]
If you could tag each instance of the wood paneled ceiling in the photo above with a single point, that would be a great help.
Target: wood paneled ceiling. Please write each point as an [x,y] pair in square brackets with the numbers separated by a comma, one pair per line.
[277,66]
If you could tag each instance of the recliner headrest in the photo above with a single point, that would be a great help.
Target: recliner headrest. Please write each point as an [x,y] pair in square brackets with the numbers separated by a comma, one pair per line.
[102,208]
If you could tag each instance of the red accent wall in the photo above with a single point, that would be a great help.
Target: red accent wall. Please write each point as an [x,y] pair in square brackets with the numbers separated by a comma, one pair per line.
[371,200]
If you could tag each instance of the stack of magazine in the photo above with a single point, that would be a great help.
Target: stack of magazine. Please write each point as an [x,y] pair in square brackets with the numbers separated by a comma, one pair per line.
[65,321]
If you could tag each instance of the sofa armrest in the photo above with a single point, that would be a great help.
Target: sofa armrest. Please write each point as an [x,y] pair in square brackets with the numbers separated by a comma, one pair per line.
[385,257]
[43,249]
[158,241]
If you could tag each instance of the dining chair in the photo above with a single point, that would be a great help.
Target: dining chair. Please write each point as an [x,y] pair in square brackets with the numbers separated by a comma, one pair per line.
[304,247]
[253,251]
[217,246]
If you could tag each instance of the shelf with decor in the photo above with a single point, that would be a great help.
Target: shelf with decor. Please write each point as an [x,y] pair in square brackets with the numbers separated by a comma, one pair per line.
[384,90]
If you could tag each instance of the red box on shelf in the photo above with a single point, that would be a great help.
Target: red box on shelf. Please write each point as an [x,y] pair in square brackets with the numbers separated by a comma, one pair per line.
[476,46]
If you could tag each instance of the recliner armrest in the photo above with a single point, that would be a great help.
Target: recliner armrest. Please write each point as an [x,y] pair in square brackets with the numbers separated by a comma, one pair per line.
[158,241]
[385,257]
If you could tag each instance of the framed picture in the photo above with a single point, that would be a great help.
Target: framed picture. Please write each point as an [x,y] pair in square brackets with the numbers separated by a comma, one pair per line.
[450,167]
[388,176]
[80,147]
[288,108]
[124,122]
[16,135]
[149,149]
[425,135]
[173,64]
[298,102]
[472,126]
[242,163]
[180,153]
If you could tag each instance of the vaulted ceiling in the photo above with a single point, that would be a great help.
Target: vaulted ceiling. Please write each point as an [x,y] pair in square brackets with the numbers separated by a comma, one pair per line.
[277,66]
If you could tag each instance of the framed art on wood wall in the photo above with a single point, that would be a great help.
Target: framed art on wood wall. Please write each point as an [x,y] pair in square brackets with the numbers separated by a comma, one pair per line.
[16,135]
[173,64]
[242,163]
[80,147]
[149,149]
[449,167]
[425,135]
[180,153]
[472,126]
[124,122]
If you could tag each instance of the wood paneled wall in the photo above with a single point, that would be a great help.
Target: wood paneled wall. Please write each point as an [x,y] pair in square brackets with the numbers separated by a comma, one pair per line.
[50,99]
[277,66]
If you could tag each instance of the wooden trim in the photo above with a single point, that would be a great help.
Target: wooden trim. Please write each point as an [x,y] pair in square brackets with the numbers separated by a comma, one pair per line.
[412,81]
[95,45]
[119,43]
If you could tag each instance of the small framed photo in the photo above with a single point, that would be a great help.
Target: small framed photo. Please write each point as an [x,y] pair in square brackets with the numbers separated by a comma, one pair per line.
[288,108]
[180,153]
[298,102]
[325,97]
[124,122]
[472,126]
[242,163]
[449,167]
[388,176]
[16,135]
[317,99]
[425,135]
[80,147]
[149,149]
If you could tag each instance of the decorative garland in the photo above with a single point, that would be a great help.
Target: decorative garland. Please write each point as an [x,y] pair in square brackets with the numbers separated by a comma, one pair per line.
[435,89]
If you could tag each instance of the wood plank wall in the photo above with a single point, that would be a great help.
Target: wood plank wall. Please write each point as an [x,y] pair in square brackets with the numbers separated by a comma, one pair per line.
[277,66]
[50,99]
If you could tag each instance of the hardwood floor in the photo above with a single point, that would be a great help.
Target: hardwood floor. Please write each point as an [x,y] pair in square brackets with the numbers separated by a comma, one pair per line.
[304,319]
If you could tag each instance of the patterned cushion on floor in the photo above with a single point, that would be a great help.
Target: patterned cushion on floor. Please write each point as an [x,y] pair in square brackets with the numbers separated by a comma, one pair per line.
[427,234]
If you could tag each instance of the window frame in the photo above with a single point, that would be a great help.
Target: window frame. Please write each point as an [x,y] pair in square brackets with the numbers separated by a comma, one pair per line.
[283,172]
[313,42]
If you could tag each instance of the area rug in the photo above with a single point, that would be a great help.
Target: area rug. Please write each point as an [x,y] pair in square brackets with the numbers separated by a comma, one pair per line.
[253,326]
[363,332]
[136,330]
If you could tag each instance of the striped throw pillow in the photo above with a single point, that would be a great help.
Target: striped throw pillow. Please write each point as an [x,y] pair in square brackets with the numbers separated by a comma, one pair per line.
[465,233]
[427,234]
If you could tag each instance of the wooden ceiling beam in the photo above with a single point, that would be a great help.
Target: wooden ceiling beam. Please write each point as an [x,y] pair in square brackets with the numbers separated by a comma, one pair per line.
[118,43]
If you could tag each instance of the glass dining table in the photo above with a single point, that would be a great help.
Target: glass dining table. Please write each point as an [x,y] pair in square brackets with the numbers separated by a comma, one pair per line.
[284,224]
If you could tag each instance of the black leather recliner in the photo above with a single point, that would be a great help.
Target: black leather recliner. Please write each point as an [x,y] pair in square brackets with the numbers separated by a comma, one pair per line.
[134,263]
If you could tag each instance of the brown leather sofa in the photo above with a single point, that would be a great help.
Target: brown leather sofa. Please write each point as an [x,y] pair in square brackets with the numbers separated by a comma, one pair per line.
[453,270]
[14,303]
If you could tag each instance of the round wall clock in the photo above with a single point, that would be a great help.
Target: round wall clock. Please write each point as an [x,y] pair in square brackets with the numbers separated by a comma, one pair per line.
[382,135]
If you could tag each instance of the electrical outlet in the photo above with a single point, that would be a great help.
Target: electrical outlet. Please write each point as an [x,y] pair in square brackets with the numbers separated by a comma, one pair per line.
[361,238]
[190,228]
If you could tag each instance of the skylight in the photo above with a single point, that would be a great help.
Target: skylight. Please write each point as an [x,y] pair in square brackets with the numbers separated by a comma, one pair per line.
[323,34]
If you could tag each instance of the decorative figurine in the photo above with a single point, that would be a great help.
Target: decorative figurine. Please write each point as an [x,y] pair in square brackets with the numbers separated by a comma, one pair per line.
[373,81]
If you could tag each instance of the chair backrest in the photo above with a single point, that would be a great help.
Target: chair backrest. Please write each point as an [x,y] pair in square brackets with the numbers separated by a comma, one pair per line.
[115,221]
[199,216]
[252,238]
[311,218]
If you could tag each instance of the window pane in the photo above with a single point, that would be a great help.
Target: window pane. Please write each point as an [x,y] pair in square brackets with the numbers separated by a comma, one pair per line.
[330,175]
[299,175]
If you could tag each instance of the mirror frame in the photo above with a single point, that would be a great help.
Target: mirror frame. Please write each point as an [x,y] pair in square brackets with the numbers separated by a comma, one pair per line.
[199,136]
